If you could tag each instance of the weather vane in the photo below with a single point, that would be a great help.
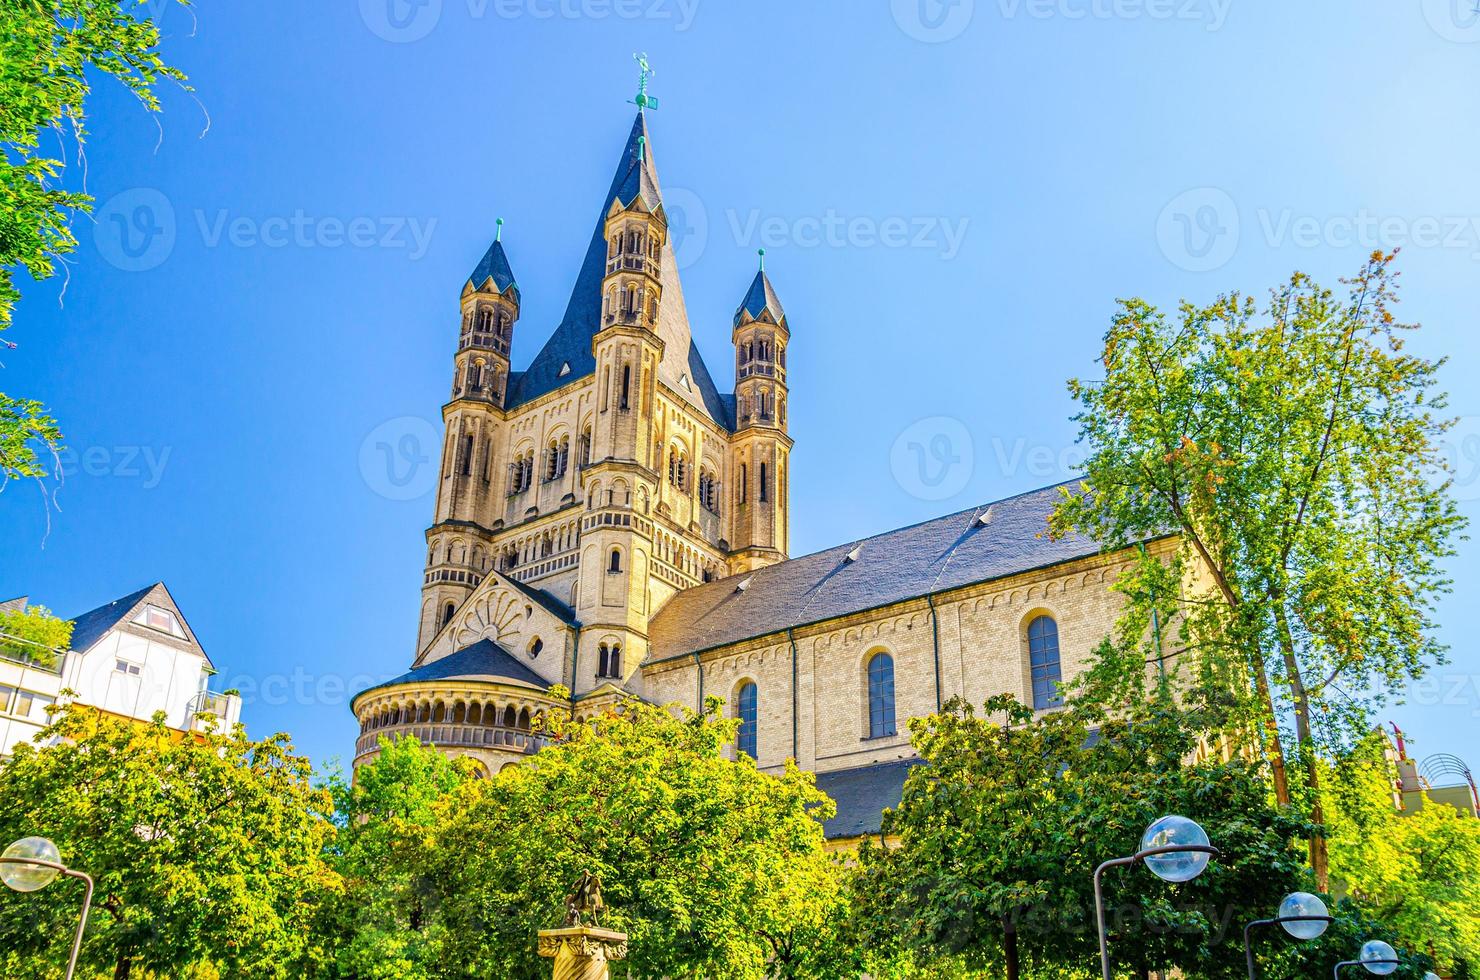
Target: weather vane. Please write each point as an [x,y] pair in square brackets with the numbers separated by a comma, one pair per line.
[645,71]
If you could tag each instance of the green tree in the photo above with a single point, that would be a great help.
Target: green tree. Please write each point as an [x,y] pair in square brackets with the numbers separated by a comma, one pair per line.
[377,926]
[1419,872]
[33,634]
[712,867]
[1292,448]
[206,849]
[999,835]
[47,50]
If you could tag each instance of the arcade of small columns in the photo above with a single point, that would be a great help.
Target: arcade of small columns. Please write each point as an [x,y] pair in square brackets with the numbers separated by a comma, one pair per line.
[494,723]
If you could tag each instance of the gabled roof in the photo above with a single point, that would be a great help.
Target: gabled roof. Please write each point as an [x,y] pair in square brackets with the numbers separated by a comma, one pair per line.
[483,661]
[494,265]
[945,553]
[760,299]
[862,796]
[90,627]
[571,342]
[548,602]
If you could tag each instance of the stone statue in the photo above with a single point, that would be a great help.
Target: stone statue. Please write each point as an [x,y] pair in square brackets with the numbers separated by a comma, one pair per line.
[584,906]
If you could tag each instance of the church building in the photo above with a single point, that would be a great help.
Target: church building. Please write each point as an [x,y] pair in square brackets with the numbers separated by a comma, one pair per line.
[609,520]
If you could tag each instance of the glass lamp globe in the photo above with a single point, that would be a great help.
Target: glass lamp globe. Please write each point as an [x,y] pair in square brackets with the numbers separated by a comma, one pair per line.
[1298,904]
[1175,832]
[1431,975]
[29,877]
[1375,950]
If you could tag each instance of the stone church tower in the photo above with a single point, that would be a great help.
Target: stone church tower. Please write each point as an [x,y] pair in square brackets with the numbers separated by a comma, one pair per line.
[582,493]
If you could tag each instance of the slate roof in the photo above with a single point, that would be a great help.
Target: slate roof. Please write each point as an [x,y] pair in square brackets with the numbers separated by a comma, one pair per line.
[571,341]
[494,265]
[552,605]
[89,628]
[483,661]
[908,563]
[760,299]
[863,795]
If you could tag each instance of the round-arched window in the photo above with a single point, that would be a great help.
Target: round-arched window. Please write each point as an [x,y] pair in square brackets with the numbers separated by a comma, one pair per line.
[746,702]
[1043,662]
[881,696]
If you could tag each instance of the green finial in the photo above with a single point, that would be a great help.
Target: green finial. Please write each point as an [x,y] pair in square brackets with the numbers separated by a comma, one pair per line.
[762,253]
[641,148]
[498,233]
[644,72]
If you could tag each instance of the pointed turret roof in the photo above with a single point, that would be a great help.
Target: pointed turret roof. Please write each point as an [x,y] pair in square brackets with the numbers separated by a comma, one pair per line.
[494,265]
[681,369]
[760,299]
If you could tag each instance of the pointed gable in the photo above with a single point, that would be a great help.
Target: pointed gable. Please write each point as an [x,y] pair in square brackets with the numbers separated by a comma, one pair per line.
[760,301]
[566,356]
[93,625]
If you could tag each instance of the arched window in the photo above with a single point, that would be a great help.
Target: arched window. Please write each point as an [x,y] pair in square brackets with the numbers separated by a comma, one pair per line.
[1043,661]
[609,660]
[881,696]
[745,710]
[616,562]
[625,401]
[447,612]
[586,448]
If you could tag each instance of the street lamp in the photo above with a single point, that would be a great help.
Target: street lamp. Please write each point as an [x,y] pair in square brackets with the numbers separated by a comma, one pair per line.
[1301,914]
[32,863]
[1377,956]
[1173,848]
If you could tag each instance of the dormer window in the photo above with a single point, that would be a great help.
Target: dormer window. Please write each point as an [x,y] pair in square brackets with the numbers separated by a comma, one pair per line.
[160,619]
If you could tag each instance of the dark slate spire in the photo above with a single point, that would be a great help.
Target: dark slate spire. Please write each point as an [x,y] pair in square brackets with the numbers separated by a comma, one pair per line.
[495,265]
[760,299]
[570,345]
[636,174]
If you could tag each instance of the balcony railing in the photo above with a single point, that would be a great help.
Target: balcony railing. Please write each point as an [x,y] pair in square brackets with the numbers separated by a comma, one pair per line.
[29,653]
[450,735]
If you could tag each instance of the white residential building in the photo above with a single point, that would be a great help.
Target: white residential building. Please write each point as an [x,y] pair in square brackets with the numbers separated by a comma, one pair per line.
[131,657]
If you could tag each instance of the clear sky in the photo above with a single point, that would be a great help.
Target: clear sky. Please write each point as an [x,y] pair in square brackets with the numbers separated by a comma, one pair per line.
[951,197]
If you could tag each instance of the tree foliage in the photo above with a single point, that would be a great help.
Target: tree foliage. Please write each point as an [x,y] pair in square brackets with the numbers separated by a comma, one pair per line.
[712,867]
[1418,872]
[48,50]
[33,634]
[1293,448]
[206,850]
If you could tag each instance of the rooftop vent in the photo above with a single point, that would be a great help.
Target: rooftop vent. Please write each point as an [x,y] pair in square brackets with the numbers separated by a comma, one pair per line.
[853,555]
[744,583]
[564,370]
[986,517]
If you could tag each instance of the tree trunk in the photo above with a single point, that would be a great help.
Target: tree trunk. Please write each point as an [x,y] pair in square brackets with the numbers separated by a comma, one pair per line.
[1305,745]
[1273,750]
[124,967]
[1010,948]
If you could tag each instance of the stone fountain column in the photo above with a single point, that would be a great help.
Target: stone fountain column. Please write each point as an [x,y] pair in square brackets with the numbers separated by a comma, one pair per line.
[582,952]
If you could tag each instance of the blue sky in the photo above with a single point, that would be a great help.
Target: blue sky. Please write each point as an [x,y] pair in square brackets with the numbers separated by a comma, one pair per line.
[951,198]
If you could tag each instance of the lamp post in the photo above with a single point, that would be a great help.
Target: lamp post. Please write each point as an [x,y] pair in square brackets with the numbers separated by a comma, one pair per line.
[1377,956]
[1174,848]
[31,864]
[1301,914]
